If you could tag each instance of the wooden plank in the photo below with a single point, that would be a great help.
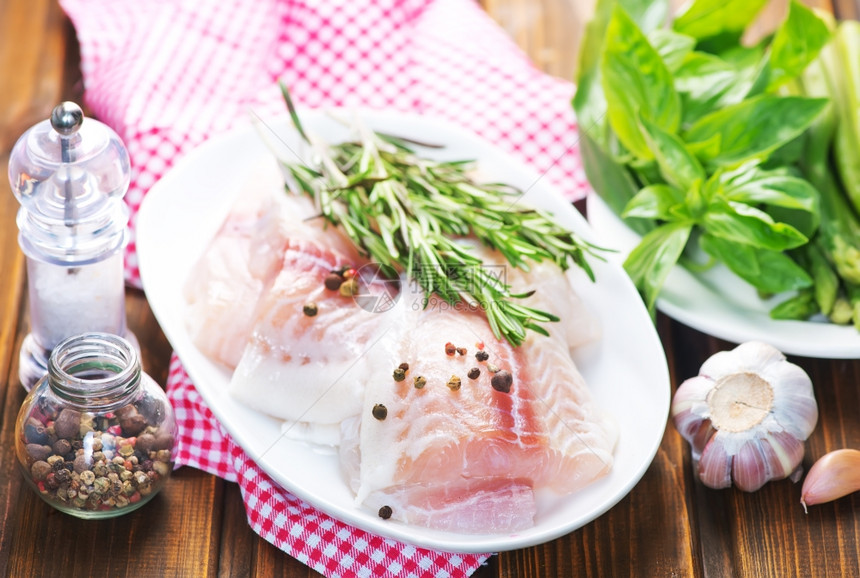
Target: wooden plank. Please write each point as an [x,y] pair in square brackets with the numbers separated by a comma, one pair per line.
[847,9]
[32,59]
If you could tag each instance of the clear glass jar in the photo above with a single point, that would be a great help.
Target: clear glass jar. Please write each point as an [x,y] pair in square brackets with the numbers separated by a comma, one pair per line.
[95,436]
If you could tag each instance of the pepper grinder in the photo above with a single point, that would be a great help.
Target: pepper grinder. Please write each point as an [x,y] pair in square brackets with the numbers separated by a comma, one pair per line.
[70,177]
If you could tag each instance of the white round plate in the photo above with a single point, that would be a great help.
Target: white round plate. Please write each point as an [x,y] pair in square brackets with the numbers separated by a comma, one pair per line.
[626,369]
[721,304]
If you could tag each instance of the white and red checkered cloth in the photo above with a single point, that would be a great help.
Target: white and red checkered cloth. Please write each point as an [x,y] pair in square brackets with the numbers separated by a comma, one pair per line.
[168,74]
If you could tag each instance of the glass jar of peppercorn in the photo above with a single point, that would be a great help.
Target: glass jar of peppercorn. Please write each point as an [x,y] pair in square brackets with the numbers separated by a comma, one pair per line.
[95,436]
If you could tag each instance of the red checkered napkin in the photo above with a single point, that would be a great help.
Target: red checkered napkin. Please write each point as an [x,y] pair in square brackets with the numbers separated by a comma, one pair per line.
[168,74]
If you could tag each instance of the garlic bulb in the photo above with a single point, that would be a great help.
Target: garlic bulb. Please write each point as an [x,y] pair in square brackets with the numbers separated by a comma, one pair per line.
[746,415]
[835,475]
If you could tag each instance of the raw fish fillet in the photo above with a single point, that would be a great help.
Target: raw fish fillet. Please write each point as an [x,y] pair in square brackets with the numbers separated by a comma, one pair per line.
[225,285]
[545,433]
[311,369]
[467,460]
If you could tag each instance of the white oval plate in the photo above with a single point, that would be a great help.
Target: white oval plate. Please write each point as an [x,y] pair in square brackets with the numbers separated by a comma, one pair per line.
[626,369]
[721,304]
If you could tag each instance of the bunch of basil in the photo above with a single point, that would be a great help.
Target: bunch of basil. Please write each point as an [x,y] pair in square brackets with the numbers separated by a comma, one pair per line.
[700,141]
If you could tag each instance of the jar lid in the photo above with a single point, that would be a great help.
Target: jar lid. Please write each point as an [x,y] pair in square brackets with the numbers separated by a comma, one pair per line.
[69,173]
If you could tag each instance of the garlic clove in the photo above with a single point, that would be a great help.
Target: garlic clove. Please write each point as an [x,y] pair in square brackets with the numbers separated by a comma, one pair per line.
[751,470]
[752,356]
[715,465]
[835,475]
[688,406]
[785,452]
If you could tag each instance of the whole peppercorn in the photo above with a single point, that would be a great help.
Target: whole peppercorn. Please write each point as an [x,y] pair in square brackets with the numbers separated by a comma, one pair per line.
[68,423]
[82,463]
[419,382]
[379,411]
[450,348]
[145,442]
[161,467]
[404,366]
[385,512]
[62,447]
[101,485]
[51,481]
[482,355]
[461,351]
[130,420]
[40,470]
[163,441]
[35,432]
[349,288]
[492,368]
[310,309]
[56,462]
[454,383]
[38,452]
[63,476]
[474,373]
[399,374]
[502,381]
[333,281]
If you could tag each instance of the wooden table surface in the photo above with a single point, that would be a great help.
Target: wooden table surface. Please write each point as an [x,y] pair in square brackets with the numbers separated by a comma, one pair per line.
[669,525]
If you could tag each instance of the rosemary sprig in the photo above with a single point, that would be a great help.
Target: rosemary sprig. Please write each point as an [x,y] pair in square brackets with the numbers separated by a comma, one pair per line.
[405,212]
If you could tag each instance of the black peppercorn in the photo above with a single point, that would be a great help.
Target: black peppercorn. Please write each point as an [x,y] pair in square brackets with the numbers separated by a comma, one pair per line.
[502,381]
[385,512]
[333,281]
[474,373]
[310,309]
[379,411]
[482,356]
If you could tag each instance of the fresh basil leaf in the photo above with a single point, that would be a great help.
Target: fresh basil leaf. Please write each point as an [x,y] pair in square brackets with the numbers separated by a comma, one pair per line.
[680,168]
[650,262]
[672,47]
[654,202]
[647,14]
[707,18]
[647,172]
[768,271]
[589,103]
[745,224]
[768,187]
[798,308]
[696,200]
[610,180]
[704,81]
[752,129]
[797,42]
[636,82]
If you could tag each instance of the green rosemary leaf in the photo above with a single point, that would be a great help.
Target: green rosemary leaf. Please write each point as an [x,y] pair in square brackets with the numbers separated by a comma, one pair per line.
[405,212]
